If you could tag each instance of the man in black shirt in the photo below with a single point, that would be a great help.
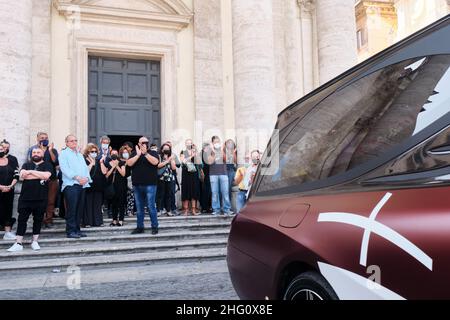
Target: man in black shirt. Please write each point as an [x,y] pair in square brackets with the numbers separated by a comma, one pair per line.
[33,197]
[144,175]
[50,156]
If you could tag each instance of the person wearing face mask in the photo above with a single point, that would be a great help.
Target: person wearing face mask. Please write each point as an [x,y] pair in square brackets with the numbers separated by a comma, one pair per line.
[219,178]
[205,183]
[33,197]
[75,180]
[230,158]
[166,178]
[9,175]
[117,177]
[175,185]
[92,213]
[144,175]
[50,156]
[244,178]
[190,181]
[131,203]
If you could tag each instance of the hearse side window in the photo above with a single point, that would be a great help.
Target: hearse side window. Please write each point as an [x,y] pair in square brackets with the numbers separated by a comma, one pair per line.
[363,121]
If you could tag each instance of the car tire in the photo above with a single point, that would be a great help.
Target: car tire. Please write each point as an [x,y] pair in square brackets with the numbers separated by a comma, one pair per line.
[309,286]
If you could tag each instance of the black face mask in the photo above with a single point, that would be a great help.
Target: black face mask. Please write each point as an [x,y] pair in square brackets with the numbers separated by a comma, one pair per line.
[36,159]
[2,154]
[114,157]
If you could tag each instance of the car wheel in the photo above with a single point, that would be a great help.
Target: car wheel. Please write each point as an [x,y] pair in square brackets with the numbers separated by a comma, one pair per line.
[309,286]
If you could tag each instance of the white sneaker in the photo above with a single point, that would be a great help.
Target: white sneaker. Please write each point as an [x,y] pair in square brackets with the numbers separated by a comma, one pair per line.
[35,246]
[15,248]
[9,236]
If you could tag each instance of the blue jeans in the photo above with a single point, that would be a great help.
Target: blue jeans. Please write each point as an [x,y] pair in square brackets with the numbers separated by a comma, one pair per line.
[145,195]
[241,199]
[219,184]
[74,197]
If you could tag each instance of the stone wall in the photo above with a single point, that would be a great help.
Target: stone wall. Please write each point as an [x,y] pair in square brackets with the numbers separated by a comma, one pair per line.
[15,74]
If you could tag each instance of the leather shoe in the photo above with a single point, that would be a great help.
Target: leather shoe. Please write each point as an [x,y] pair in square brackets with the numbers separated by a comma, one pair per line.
[154,230]
[73,236]
[138,231]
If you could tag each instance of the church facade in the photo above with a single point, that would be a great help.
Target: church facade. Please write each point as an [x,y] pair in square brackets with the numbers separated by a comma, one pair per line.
[168,69]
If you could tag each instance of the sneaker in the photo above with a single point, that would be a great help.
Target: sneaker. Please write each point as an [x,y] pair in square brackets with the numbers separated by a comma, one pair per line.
[35,246]
[9,236]
[229,213]
[154,230]
[215,213]
[138,231]
[170,214]
[15,247]
[82,235]
[159,214]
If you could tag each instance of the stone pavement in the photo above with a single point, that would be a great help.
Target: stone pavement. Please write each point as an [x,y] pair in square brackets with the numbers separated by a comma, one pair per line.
[175,281]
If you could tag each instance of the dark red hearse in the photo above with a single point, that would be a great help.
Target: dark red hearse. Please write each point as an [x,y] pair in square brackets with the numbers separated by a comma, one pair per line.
[353,201]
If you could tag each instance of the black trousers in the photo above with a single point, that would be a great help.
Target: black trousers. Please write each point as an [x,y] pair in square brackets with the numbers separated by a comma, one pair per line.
[118,204]
[27,208]
[93,215]
[167,194]
[6,208]
[205,197]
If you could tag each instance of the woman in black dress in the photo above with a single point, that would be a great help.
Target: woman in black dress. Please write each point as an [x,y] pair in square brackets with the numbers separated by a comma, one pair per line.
[9,175]
[92,215]
[190,181]
[117,176]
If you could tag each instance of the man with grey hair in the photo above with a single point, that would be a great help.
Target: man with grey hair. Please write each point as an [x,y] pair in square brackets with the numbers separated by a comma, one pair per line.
[51,157]
[76,178]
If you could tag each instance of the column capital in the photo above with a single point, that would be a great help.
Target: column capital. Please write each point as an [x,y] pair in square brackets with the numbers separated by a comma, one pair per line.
[306,6]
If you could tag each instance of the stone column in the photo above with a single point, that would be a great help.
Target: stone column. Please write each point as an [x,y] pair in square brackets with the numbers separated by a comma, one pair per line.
[254,71]
[307,39]
[208,68]
[294,56]
[15,74]
[41,73]
[336,35]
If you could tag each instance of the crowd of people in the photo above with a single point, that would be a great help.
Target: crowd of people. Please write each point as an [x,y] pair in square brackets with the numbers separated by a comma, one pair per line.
[133,180]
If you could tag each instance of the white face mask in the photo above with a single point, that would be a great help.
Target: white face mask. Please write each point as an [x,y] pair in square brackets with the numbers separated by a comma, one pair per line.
[125,156]
[93,154]
[105,147]
[217,145]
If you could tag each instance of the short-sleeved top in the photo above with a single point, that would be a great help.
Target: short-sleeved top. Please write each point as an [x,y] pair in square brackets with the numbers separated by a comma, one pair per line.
[218,168]
[9,172]
[143,173]
[116,178]
[36,190]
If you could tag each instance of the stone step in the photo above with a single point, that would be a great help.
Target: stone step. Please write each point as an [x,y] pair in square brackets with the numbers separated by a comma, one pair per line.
[93,250]
[110,260]
[47,241]
[127,229]
[193,219]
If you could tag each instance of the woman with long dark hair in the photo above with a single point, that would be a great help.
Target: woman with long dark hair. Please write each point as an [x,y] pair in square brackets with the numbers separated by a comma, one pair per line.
[9,175]
[166,178]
